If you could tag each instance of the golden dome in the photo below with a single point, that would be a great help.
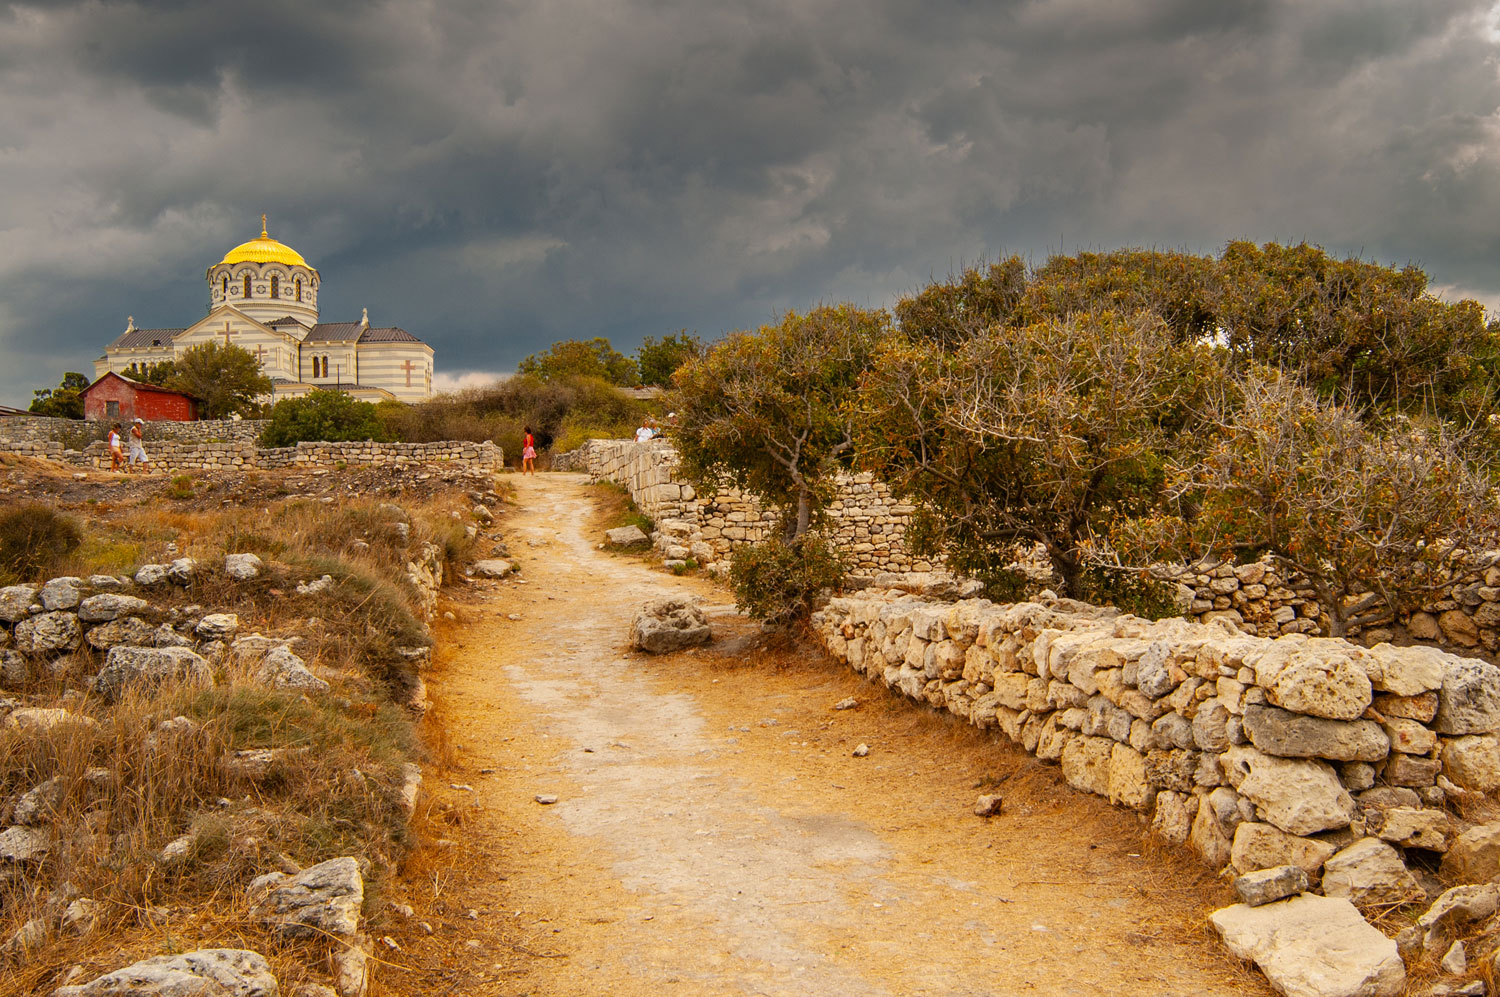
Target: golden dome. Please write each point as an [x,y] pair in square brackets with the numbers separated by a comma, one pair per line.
[264,250]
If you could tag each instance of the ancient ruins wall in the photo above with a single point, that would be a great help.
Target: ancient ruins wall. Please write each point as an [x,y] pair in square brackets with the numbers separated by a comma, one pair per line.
[204,456]
[1259,752]
[867,523]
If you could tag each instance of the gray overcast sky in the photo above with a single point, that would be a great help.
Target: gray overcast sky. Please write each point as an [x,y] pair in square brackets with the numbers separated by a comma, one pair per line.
[493,175]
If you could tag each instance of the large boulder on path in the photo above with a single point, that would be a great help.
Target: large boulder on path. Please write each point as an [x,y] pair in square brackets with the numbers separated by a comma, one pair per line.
[204,973]
[149,668]
[493,567]
[319,901]
[669,624]
[1312,946]
[626,536]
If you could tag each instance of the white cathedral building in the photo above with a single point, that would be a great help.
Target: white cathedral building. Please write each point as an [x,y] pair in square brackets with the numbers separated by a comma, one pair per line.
[263,297]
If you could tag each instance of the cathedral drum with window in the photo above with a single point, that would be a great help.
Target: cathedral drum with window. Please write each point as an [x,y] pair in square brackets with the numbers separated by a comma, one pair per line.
[263,297]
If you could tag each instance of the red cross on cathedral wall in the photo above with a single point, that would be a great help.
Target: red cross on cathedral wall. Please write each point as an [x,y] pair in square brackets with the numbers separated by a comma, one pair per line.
[408,367]
[260,355]
[229,332]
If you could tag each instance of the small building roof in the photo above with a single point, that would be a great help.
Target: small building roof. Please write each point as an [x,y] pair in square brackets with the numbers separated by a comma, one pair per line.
[137,385]
[334,332]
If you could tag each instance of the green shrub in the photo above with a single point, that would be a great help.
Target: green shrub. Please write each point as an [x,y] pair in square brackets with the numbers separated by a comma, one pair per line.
[33,537]
[1129,591]
[181,487]
[777,582]
[328,416]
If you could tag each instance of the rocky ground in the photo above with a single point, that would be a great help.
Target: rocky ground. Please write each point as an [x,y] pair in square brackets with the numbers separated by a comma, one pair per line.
[208,724]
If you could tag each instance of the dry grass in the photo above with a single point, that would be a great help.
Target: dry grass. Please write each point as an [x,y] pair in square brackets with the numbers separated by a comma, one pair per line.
[126,788]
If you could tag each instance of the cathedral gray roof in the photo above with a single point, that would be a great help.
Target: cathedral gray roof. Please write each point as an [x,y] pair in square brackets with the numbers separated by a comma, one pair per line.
[343,332]
[137,338]
[335,332]
[391,334]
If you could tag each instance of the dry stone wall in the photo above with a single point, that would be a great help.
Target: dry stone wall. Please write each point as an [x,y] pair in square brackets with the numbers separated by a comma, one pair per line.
[866,522]
[1262,599]
[1258,752]
[174,455]
[76,432]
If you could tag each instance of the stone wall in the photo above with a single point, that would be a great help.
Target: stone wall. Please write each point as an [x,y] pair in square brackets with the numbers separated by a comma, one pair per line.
[866,523]
[1258,752]
[169,456]
[1261,599]
[75,433]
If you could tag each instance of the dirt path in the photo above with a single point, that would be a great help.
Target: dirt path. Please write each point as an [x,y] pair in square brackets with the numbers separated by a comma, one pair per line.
[714,834]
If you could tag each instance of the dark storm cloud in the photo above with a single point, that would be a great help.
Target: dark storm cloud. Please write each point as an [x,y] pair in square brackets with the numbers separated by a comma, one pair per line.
[494,176]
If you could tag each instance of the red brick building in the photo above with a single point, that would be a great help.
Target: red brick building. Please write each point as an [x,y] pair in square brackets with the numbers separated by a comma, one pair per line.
[114,397]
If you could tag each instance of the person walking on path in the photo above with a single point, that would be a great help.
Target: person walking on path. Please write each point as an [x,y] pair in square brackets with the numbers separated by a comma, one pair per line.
[528,453]
[116,457]
[137,447]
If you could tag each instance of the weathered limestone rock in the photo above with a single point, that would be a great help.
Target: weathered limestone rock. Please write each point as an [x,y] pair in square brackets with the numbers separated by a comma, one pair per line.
[107,606]
[317,585]
[1261,846]
[1127,778]
[1469,700]
[49,632]
[1411,827]
[1474,856]
[1312,946]
[1086,764]
[1457,907]
[182,570]
[217,626]
[1210,731]
[1267,885]
[282,669]
[669,624]
[40,718]
[242,567]
[1322,684]
[1404,671]
[128,630]
[1409,737]
[493,567]
[14,670]
[204,973]
[149,667]
[1300,796]
[626,536]
[61,593]
[165,636]
[322,900]
[1409,770]
[1419,708]
[1369,872]
[1292,735]
[16,602]
[1174,815]
[151,575]
[19,845]
[38,805]
[1473,762]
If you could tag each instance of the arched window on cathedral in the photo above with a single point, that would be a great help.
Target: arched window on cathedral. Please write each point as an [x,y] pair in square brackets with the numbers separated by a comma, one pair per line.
[297,287]
[247,285]
[275,293]
[226,285]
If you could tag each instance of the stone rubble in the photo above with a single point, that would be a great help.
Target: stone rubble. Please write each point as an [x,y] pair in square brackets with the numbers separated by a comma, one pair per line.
[669,624]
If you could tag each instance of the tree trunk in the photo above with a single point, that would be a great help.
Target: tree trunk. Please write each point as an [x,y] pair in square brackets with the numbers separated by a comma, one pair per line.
[804,512]
[1066,564]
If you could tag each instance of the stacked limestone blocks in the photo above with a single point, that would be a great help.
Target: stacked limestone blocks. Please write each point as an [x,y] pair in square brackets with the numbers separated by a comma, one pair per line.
[1260,752]
[1261,599]
[865,523]
[220,456]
